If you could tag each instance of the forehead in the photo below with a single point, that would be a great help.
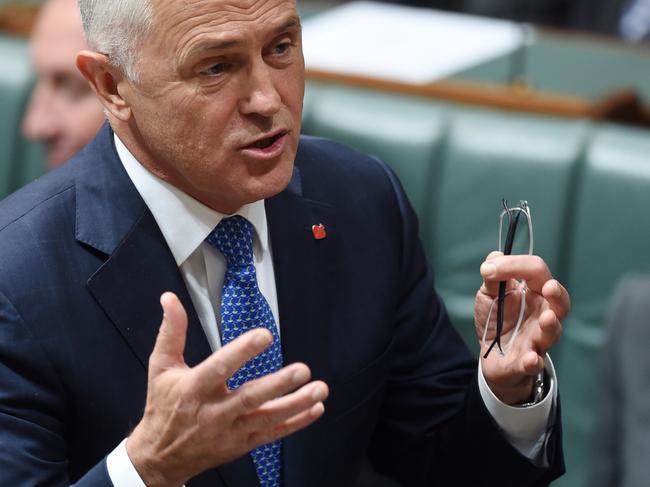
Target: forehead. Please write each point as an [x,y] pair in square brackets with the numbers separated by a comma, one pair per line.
[59,25]
[181,21]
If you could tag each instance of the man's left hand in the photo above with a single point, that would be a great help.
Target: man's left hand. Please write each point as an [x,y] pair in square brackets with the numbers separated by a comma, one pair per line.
[511,376]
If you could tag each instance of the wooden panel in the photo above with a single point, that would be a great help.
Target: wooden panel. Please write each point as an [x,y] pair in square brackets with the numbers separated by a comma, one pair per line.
[17,19]
[623,106]
[492,95]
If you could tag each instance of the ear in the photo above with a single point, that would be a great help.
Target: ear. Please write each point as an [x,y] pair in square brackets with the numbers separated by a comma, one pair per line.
[104,79]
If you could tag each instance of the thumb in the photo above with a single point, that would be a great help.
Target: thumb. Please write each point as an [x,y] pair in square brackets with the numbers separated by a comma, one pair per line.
[170,342]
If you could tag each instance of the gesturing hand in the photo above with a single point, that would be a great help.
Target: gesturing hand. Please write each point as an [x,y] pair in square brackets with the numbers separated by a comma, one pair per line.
[511,376]
[193,422]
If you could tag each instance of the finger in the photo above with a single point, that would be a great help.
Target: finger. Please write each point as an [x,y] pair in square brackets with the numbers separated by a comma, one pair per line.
[170,342]
[558,298]
[283,408]
[253,394]
[531,268]
[491,288]
[493,255]
[532,363]
[548,333]
[288,427]
[223,363]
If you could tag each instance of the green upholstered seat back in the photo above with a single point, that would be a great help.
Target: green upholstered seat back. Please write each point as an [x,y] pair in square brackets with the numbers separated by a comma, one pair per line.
[581,67]
[611,236]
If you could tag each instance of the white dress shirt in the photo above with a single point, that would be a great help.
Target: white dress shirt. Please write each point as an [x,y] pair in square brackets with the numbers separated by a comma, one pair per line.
[185,223]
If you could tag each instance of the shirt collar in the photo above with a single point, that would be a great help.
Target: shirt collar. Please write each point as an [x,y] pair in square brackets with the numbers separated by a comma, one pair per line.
[183,221]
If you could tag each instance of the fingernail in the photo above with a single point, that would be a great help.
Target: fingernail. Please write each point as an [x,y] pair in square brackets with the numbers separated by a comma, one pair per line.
[299,376]
[261,340]
[558,290]
[488,270]
[319,394]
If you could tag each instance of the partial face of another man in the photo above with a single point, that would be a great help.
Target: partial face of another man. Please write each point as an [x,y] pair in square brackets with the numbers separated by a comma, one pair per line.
[217,105]
[63,112]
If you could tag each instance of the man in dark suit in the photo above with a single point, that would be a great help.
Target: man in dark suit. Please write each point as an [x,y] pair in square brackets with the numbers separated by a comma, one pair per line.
[192,193]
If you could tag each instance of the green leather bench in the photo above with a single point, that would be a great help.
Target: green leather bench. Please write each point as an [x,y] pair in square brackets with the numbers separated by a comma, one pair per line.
[610,237]
[587,184]
[587,67]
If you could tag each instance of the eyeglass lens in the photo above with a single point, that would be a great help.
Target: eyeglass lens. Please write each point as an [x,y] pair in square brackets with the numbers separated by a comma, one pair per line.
[513,242]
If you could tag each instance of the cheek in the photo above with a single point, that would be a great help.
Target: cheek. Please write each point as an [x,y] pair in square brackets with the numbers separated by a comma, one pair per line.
[293,86]
[211,132]
[199,122]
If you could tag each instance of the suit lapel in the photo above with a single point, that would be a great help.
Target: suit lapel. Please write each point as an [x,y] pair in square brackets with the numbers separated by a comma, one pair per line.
[128,287]
[304,269]
[112,219]
[303,272]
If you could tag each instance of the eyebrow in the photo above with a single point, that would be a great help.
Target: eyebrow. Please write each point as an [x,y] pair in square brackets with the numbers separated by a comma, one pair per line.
[291,23]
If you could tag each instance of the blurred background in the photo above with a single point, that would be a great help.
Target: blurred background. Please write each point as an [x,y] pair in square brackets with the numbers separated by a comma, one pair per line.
[470,101]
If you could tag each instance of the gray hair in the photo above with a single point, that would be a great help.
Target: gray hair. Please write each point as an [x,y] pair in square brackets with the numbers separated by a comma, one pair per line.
[116,28]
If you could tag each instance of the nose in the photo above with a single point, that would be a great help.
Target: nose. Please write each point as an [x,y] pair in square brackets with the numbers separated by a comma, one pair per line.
[261,97]
[40,122]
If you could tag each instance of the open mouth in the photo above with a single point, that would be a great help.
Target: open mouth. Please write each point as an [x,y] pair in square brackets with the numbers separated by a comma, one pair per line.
[267,142]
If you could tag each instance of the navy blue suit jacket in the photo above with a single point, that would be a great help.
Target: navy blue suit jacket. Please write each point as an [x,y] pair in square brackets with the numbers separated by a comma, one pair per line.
[82,266]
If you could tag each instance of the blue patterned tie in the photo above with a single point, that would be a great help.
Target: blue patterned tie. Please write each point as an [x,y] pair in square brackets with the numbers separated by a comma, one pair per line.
[243,308]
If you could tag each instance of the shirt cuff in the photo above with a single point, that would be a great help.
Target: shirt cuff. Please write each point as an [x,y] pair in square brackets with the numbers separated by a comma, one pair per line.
[121,470]
[524,427]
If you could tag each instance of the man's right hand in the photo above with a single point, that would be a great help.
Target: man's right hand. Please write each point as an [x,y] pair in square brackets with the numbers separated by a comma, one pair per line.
[193,422]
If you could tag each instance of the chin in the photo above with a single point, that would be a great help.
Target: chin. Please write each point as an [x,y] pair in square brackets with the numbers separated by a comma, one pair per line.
[270,185]
[270,189]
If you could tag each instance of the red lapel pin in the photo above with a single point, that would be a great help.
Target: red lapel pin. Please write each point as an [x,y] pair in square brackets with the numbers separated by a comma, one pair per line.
[319,231]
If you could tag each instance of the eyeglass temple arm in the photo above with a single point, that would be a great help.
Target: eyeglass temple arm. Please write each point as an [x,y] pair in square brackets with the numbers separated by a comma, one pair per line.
[507,250]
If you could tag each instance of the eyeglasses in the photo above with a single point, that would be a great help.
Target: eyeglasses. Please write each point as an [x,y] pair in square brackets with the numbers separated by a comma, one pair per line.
[510,302]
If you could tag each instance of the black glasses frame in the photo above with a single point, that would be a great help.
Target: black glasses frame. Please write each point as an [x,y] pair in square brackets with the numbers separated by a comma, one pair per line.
[513,222]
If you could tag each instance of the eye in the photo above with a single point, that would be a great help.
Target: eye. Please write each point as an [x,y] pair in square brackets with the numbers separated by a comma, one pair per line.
[282,48]
[215,70]
[70,87]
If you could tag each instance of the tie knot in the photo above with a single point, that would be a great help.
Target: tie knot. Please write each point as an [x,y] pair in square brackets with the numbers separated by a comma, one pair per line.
[233,237]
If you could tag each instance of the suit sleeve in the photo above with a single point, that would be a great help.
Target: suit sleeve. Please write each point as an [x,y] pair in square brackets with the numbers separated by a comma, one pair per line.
[33,412]
[434,428]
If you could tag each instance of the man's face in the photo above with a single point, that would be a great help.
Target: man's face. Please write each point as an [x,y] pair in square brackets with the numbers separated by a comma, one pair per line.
[63,112]
[217,105]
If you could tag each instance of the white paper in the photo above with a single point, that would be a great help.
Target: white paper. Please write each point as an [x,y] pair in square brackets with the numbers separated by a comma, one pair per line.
[414,45]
